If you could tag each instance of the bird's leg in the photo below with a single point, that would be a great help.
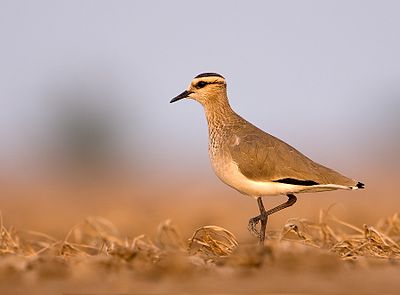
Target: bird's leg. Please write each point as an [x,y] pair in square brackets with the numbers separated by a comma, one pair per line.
[263,217]
[291,200]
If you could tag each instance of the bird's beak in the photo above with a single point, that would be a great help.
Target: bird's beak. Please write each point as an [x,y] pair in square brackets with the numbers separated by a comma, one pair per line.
[183,95]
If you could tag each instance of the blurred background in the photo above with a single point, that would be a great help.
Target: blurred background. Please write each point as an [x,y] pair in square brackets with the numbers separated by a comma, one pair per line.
[86,126]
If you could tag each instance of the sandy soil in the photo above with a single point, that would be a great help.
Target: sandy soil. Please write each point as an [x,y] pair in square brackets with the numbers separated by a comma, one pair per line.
[145,242]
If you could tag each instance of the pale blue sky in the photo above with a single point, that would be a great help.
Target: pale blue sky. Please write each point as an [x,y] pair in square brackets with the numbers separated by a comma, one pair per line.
[322,75]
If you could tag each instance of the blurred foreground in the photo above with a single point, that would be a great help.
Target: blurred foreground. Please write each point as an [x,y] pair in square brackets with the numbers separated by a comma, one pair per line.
[143,240]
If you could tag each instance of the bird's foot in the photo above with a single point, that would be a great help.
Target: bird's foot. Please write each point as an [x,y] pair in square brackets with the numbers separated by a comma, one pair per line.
[252,226]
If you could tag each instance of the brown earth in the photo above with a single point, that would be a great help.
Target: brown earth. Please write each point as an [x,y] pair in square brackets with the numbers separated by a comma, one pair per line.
[148,242]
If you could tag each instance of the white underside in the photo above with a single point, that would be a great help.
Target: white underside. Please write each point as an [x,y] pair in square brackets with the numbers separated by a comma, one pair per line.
[231,175]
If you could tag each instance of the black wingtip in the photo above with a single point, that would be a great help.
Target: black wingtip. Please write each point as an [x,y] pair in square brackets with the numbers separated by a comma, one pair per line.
[360,185]
[294,181]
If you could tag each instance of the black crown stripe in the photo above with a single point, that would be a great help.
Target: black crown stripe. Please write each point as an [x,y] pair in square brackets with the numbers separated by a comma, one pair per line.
[209,75]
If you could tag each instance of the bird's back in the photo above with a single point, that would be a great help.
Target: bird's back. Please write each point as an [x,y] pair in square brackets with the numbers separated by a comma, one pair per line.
[260,156]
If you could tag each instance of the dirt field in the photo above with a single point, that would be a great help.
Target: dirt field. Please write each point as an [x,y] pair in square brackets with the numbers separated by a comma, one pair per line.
[133,243]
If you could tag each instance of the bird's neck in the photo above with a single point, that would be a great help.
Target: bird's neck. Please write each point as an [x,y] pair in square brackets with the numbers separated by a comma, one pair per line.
[220,119]
[219,113]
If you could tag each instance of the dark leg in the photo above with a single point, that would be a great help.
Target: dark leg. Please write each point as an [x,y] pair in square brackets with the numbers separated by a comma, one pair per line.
[263,217]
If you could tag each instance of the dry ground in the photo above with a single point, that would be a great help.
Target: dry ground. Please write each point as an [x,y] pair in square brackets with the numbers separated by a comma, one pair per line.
[62,246]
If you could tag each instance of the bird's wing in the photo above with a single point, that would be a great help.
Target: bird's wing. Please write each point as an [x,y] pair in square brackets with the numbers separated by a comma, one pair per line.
[263,157]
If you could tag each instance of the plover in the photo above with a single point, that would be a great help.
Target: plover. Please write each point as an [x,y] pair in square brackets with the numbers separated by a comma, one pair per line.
[252,161]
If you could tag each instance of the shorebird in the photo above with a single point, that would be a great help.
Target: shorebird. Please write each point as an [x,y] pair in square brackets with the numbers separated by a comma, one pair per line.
[252,161]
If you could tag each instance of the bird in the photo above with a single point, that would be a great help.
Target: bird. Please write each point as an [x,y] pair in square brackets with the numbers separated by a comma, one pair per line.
[253,162]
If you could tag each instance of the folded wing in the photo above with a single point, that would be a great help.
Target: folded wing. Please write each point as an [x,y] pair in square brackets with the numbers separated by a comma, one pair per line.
[263,157]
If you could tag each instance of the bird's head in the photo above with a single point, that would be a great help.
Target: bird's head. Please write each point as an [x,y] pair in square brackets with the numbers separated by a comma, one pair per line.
[205,88]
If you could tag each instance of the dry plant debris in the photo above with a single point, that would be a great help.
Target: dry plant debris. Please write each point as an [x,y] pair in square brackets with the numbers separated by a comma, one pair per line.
[212,241]
[96,240]
[347,240]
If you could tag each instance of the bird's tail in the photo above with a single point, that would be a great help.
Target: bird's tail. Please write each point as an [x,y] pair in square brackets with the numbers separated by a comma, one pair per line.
[359,185]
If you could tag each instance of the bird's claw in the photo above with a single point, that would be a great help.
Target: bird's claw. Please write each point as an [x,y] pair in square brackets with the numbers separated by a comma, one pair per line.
[252,226]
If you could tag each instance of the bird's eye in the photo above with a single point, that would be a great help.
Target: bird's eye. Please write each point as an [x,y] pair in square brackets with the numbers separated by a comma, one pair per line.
[201,84]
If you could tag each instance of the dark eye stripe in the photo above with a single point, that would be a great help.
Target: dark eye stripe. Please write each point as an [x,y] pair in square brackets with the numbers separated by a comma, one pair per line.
[201,84]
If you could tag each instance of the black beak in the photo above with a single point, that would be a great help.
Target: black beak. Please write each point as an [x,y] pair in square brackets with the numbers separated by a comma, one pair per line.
[183,95]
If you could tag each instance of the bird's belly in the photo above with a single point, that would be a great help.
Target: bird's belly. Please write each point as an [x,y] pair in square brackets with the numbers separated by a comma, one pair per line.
[228,172]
